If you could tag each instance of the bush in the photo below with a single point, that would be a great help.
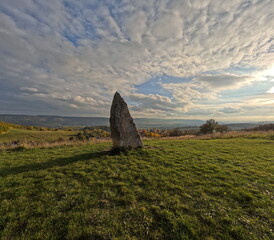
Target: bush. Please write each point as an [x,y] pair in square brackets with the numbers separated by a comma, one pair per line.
[264,127]
[176,132]
[3,127]
[209,126]
[60,139]
[81,137]
[95,132]
[19,148]
[221,128]
[212,126]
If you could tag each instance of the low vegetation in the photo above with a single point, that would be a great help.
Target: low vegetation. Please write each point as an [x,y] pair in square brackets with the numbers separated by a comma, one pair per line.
[212,126]
[211,129]
[24,135]
[4,127]
[16,136]
[172,189]
[176,132]
[264,127]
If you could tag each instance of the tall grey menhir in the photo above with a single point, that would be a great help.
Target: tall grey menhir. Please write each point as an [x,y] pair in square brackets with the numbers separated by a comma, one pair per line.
[123,130]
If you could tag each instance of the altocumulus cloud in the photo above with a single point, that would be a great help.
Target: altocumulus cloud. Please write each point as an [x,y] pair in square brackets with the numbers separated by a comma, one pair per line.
[68,57]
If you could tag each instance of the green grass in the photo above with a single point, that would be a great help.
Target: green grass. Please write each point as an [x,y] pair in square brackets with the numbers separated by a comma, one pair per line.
[34,135]
[4,127]
[173,189]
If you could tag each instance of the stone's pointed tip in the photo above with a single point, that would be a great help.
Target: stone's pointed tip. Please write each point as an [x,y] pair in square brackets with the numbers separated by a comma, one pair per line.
[117,94]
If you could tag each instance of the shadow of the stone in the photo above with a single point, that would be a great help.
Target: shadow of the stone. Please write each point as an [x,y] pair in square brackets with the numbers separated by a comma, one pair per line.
[59,162]
[123,150]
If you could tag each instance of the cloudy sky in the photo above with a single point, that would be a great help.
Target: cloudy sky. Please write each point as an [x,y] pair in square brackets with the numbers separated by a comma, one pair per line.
[195,59]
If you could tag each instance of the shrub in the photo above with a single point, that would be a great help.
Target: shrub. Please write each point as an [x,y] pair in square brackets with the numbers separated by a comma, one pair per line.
[80,136]
[212,126]
[264,127]
[176,132]
[221,128]
[60,139]
[19,148]
[95,132]
[3,127]
[209,126]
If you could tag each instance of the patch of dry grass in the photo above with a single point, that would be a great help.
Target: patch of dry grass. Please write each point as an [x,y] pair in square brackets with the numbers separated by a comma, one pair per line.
[237,134]
[32,144]
[225,135]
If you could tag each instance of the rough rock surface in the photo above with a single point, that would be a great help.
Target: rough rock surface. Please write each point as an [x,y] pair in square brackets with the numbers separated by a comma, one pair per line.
[123,130]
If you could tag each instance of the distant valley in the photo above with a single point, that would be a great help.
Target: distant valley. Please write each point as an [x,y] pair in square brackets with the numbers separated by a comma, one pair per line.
[61,121]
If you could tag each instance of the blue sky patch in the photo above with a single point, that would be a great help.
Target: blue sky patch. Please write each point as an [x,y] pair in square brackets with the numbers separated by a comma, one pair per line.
[153,86]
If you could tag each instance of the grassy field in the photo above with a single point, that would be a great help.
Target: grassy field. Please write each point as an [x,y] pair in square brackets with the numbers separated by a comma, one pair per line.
[35,135]
[172,189]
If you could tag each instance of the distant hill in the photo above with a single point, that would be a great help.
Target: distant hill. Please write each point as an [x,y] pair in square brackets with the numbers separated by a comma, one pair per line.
[59,121]
[167,123]
[53,121]
[241,126]
[266,122]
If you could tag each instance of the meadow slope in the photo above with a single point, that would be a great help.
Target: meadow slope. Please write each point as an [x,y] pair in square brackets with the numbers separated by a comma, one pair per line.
[24,135]
[172,189]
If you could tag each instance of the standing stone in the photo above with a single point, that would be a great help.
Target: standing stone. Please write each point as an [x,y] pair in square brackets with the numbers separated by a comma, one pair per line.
[123,130]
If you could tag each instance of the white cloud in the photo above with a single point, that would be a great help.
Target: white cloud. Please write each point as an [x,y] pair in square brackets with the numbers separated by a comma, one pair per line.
[28,89]
[79,53]
[189,92]
[230,110]
[219,82]
[271,90]
[150,102]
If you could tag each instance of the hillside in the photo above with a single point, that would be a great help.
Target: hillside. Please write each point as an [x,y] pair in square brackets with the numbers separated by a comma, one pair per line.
[53,121]
[172,189]
[24,135]
[4,126]
[60,121]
